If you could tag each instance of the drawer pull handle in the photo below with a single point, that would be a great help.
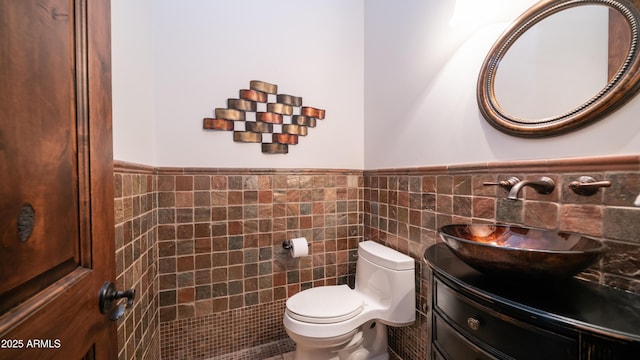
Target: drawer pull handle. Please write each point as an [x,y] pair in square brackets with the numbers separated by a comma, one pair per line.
[473,323]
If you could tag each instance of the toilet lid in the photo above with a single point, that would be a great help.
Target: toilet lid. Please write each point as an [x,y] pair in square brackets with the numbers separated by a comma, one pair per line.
[325,304]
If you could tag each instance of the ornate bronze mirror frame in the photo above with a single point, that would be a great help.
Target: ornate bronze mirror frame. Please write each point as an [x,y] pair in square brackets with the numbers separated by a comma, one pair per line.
[622,85]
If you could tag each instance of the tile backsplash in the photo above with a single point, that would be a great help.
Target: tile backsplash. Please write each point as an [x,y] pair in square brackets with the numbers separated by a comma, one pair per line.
[403,208]
[203,246]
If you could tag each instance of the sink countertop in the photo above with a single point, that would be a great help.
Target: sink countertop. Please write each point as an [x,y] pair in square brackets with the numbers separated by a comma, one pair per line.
[580,303]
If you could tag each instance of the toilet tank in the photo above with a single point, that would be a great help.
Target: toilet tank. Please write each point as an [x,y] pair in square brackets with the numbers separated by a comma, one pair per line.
[387,278]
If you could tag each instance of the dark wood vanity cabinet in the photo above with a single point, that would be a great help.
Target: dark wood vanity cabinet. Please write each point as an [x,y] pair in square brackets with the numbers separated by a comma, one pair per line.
[474,316]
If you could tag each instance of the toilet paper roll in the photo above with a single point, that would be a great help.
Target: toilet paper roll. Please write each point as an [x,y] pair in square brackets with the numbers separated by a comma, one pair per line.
[299,247]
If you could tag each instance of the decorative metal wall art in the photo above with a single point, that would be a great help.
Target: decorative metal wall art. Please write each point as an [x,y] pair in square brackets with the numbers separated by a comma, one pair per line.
[276,124]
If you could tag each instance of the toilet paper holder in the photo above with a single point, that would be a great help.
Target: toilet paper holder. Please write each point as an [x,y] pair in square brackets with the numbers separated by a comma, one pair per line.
[287,245]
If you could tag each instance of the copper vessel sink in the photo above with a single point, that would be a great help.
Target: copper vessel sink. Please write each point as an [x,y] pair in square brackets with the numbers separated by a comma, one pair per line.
[514,251]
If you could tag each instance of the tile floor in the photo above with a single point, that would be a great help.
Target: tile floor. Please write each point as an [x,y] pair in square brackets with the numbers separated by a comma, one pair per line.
[277,350]
[287,356]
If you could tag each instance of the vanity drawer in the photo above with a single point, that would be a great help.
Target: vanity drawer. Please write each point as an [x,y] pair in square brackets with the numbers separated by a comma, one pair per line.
[451,345]
[514,338]
[436,355]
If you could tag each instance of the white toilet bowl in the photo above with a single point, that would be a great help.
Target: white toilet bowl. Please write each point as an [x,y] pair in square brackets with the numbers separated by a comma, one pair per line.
[367,342]
[337,322]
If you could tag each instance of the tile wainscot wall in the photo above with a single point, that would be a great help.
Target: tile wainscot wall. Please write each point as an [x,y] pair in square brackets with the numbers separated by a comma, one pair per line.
[203,247]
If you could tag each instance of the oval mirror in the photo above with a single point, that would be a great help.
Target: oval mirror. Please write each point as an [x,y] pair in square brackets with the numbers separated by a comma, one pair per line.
[561,65]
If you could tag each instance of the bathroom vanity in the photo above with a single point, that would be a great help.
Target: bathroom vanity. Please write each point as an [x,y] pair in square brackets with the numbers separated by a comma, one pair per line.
[475,316]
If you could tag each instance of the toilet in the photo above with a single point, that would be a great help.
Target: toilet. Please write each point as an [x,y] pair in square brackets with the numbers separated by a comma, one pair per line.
[340,323]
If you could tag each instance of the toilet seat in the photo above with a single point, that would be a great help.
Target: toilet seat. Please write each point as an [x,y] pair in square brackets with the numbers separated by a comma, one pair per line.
[325,304]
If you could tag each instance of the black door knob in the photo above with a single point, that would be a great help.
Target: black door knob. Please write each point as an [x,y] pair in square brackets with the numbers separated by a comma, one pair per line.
[109,297]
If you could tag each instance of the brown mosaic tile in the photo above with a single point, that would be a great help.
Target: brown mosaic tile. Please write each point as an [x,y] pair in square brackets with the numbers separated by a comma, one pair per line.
[623,190]
[136,234]
[444,203]
[584,219]
[607,215]
[217,234]
[541,214]
[622,224]
[508,211]
[444,184]
[483,207]
[235,216]
[462,184]
[462,206]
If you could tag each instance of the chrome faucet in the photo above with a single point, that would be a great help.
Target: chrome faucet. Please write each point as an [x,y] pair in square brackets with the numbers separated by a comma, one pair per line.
[544,185]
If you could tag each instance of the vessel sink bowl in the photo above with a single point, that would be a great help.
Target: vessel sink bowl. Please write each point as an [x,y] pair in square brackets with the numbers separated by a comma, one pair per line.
[514,251]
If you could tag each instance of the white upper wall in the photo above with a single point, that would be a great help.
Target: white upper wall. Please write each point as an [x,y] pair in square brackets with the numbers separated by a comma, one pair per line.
[133,81]
[408,67]
[207,50]
[422,60]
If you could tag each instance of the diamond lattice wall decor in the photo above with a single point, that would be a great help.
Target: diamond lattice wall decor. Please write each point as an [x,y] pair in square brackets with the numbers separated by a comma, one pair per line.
[275,128]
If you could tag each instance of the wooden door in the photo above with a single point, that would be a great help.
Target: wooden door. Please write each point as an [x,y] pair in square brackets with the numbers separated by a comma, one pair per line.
[56,179]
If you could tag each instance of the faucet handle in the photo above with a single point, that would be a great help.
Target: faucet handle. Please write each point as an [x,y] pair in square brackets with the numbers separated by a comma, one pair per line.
[507,184]
[587,185]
